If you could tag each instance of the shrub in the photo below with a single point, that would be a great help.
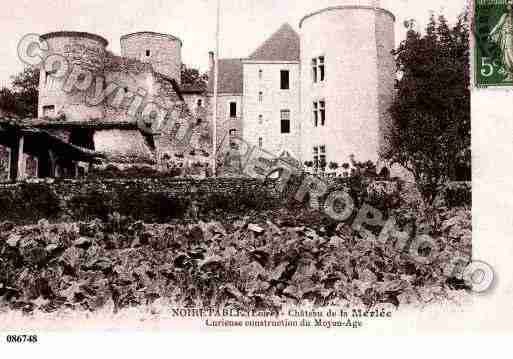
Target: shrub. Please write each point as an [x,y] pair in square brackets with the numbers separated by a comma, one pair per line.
[152,207]
[133,172]
[456,194]
[92,204]
[30,203]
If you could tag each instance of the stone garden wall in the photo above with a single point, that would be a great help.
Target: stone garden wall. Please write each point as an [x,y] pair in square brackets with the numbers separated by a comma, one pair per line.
[149,199]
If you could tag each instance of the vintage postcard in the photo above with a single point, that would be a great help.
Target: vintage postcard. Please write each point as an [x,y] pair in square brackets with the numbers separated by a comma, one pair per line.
[243,165]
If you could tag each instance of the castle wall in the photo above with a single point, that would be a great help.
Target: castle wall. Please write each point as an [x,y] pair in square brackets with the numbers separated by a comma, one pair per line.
[348,37]
[385,36]
[225,123]
[118,103]
[84,52]
[191,100]
[123,146]
[161,50]
[274,100]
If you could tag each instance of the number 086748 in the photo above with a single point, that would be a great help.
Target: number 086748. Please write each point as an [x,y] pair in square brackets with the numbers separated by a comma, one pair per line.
[21,338]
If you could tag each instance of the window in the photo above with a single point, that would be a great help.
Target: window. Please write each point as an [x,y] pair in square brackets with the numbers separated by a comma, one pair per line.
[260,74]
[148,53]
[322,157]
[260,142]
[314,70]
[49,110]
[233,132]
[233,109]
[321,68]
[284,79]
[322,110]
[285,121]
[319,112]
[318,69]
[316,156]
[49,74]
[316,113]
[260,119]
[260,96]
[200,102]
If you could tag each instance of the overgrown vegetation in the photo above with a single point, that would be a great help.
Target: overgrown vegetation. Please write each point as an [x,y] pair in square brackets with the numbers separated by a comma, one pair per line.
[261,260]
[432,106]
[21,99]
[29,203]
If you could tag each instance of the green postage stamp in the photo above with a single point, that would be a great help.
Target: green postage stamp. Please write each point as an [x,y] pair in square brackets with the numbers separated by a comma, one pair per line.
[493,27]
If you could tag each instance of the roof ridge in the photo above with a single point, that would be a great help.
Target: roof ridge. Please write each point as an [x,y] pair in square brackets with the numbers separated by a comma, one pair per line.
[282,45]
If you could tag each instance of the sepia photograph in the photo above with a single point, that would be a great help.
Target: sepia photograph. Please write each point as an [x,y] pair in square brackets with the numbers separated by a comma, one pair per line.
[245,165]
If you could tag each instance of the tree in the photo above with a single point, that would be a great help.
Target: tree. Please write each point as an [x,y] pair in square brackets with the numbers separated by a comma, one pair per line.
[21,100]
[193,77]
[7,101]
[431,111]
[26,85]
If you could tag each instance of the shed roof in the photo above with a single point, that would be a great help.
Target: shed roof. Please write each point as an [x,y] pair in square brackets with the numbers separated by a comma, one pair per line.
[9,127]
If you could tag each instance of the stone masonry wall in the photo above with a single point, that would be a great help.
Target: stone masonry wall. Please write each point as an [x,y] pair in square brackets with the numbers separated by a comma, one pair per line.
[149,199]
[4,163]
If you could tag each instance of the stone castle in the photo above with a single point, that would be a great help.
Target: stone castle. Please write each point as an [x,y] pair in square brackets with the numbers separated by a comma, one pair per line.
[319,95]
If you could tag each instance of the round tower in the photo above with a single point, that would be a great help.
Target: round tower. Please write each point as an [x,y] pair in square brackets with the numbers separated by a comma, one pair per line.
[66,95]
[163,51]
[347,81]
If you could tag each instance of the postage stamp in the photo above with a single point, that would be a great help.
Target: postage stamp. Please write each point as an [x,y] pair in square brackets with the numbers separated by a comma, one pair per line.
[493,28]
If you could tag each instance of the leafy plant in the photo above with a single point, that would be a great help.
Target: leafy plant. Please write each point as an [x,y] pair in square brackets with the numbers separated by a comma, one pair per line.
[431,111]
[333,166]
[21,99]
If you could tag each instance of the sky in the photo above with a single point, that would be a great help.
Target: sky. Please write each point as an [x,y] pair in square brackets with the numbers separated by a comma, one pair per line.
[245,24]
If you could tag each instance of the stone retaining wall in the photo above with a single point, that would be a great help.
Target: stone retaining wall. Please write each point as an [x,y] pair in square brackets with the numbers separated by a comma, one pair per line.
[151,199]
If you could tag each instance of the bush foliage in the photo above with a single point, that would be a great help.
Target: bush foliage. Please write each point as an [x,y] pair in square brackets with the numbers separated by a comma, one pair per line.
[431,111]
[261,261]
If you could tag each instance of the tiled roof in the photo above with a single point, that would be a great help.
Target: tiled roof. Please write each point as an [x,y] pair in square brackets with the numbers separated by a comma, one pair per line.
[230,76]
[283,45]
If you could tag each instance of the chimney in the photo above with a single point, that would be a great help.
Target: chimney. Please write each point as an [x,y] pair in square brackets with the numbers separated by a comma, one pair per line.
[211,60]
